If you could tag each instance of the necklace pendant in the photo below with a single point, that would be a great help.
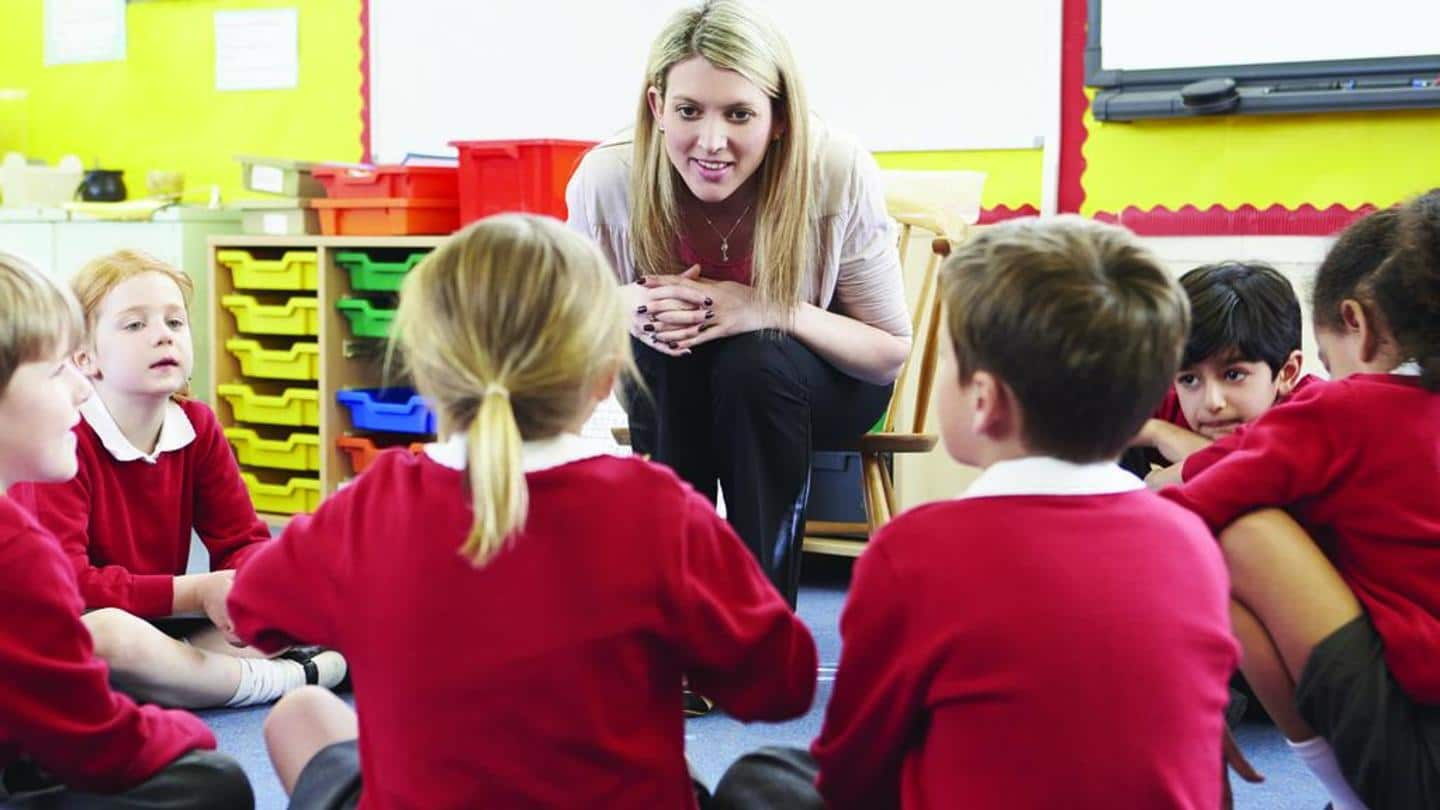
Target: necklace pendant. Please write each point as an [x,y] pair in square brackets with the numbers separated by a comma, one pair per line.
[724,250]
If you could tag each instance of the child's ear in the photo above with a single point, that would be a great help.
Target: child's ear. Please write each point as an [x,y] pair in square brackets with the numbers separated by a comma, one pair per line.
[1355,320]
[995,415]
[84,360]
[1289,373]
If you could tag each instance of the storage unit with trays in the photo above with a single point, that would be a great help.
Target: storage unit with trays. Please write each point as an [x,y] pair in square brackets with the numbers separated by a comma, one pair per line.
[299,326]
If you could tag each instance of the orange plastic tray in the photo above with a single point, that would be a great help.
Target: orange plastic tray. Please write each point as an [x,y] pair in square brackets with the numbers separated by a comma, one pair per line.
[387,216]
[362,450]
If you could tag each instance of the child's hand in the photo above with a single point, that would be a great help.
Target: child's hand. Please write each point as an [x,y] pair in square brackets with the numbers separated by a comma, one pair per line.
[213,592]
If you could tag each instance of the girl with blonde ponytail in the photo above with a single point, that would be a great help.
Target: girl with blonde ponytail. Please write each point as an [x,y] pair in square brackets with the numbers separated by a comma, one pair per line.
[571,591]
[761,279]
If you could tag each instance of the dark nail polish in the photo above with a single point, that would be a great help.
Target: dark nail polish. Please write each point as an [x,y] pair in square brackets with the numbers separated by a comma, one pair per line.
[642,281]
[641,309]
[673,345]
[649,327]
[654,338]
[709,315]
[709,302]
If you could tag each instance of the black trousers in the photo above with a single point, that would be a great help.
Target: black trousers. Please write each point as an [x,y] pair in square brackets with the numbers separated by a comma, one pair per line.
[747,412]
[773,778]
[199,780]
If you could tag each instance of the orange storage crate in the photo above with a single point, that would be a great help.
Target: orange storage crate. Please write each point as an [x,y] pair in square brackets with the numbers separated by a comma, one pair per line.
[387,216]
[363,450]
[527,175]
[408,182]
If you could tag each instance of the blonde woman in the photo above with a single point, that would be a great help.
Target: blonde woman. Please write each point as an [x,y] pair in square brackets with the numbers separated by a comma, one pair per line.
[762,284]
[583,586]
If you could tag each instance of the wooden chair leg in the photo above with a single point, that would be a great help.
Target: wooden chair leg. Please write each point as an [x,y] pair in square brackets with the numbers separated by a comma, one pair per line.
[877,508]
[887,481]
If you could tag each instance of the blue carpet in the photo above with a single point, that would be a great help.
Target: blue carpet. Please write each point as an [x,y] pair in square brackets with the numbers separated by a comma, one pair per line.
[713,742]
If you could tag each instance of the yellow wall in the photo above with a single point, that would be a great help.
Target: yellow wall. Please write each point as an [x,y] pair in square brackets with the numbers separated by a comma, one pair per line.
[1012,175]
[158,109]
[1348,159]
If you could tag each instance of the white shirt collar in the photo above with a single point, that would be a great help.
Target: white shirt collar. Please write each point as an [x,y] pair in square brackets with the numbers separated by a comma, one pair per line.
[534,455]
[176,431]
[1410,369]
[1042,475]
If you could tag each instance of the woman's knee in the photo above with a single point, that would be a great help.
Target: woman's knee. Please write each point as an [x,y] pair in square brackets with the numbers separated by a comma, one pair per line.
[756,367]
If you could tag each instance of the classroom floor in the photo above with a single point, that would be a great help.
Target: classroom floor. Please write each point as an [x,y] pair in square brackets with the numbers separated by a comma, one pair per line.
[713,742]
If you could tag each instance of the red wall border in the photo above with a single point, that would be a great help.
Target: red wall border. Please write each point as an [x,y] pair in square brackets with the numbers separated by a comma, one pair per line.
[365,156]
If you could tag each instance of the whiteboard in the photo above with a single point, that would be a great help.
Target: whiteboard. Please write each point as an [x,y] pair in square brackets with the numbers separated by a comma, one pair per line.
[1151,35]
[901,75]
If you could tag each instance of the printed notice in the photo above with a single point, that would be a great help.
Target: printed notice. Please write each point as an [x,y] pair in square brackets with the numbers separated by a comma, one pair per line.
[257,50]
[84,31]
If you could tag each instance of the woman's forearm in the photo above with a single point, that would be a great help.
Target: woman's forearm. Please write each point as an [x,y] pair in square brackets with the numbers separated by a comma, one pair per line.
[856,348]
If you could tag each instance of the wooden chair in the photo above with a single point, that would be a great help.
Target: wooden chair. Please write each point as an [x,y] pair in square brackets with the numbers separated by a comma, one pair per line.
[877,477]
[876,473]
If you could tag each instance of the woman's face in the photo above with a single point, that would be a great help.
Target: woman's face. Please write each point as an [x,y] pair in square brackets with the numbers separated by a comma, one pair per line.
[717,126]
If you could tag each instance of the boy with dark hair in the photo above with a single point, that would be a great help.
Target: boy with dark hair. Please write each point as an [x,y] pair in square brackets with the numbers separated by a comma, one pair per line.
[1241,357]
[980,634]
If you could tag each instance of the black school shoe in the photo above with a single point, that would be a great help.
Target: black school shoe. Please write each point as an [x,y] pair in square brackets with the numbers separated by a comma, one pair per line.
[697,705]
[323,667]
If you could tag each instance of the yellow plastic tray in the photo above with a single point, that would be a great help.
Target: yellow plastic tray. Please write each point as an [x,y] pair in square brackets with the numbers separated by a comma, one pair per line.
[299,452]
[298,316]
[296,495]
[294,270]
[297,407]
[299,362]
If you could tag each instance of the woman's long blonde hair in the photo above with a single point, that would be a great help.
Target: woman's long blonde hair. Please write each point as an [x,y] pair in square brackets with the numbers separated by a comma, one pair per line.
[507,328]
[731,36]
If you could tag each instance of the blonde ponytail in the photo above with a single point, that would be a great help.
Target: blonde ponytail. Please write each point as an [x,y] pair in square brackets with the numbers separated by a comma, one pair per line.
[497,482]
[508,330]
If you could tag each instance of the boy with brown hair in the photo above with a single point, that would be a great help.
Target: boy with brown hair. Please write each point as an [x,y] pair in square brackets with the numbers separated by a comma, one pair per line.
[982,634]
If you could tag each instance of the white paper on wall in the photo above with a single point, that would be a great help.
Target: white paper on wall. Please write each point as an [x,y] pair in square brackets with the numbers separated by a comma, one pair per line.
[257,50]
[84,31]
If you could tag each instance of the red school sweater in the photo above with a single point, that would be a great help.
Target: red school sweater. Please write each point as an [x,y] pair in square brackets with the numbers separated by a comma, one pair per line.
[1357,463]
[982,639]
[57,707]
[125,525]
[551,675]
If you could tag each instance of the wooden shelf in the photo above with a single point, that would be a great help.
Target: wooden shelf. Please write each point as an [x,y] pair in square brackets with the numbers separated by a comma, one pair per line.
[337,371]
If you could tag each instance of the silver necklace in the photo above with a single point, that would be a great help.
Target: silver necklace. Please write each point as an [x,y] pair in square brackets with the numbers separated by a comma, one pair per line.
[725,237]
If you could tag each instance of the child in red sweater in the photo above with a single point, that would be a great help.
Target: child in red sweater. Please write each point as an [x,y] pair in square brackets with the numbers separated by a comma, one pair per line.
[1336,600]
[154,466]
[571,591]
[67,739]
[981,635]
[1242,356]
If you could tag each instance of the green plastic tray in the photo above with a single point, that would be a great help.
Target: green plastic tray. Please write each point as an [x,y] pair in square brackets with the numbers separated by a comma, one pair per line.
[370,275]
[366,320]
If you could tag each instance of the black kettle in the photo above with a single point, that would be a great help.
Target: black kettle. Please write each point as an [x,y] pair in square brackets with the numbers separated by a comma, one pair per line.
[102,185]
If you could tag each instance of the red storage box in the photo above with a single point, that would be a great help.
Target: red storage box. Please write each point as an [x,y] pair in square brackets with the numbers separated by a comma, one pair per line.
[498,176]
[363,450]
[411,182]
[386,216]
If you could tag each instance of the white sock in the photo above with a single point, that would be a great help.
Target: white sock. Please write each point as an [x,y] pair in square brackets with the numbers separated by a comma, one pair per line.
[1320,759]
[265,680]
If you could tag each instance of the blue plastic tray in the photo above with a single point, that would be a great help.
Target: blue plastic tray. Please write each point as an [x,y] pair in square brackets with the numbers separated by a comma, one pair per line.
[394,410]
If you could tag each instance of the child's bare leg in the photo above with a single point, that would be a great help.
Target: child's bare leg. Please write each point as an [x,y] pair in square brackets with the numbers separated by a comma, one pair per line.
[1284,581]
[211,639]
[1266,673]
[1287,598]
[153,667]
[301,724]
